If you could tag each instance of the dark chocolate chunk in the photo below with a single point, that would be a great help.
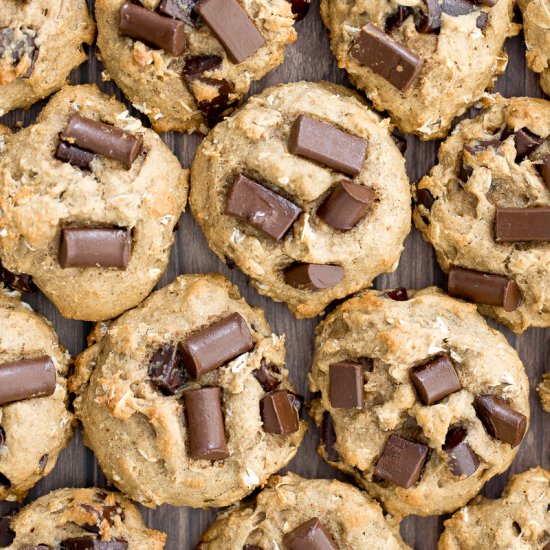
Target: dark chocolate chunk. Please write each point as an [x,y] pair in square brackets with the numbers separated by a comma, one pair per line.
[476,147]
[401,461]
[6,534]
[26,379]
[231,25]
[195,67]
[482,20]
[92,543]
[213,109]
[525,141]
[263,209]
[462,460]
[300,8]
[179,9]
[95,247]
[435,380]
[155,29]
[108,513]
[397,18]
[311,535]
[400,141]
[166,370]
[21,281]
[484,288]
[544,169]
[205,424]
[399,294]
[328,437]
[327,144]
[522,224]
[74,155]
[429,19]
[313,276]
[386,57]
[500,419]
[279,414]
[347,205]
[425,198]
[15,45]
[265,377]
[215,345]
[346,385]
[2,437]
[43,462]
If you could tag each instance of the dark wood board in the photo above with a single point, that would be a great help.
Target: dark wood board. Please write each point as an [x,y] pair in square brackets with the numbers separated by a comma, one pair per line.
[308,59]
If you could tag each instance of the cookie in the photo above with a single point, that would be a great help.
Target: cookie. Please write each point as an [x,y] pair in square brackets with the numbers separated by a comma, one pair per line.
[486,209]
[305,190]
[519,519]
[423,61]
[90,199]
[186,64]
[40,44]
[185,399]
[294,513]
[411,404]
[77,519]
[35,424]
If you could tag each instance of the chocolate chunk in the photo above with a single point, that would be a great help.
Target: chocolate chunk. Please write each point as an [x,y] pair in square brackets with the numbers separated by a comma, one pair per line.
[313,276]
[425,198]
[279,414]
[484,288]
[205,425]
[263,209]
[92,543]
[476,147]
[347,205]
[2,437]
[429,19]
[165,370]
[76,156]
[103,139]
[215,345]
[386,57]
[179,9]
[399,294]
[43,462]
[265,377]
[525,141]
[544,170]
[195,67]
[401,461]
[397,18]
[6,534]
[95,247]
[401,142]
[26,379]
[327,144]
[108,513]
[346,385]
[213,109]
[482,20]
[522,224]
[150,27]
[231,25]
[328,437]
[462,460]
[311,535]
[299,8]
[500,419]
[435,380]
[21,281]
[16,45]
[457,8]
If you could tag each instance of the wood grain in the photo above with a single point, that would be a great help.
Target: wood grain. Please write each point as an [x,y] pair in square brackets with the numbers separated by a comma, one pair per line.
[308,59]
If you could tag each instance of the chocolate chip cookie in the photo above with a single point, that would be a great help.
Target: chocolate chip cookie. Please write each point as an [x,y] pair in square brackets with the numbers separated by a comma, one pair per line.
[519,519]
[34,421]
[40,43]
[411,403]
[486,209]
[185,399]
[423,61]
[186,63]
[305,190]
[79,519]
[89,199]
[296,513]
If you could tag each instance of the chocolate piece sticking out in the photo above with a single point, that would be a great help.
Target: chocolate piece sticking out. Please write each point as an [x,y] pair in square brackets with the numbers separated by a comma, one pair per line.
[346,385]
[484,288]
[91,543]
[76,156]
[401,461]
[328,437]
[544,170]
[429,20]
[2,437]
[263,209]
[299,8]
[142,24]
[103,139]
[195,67]
[95,247]
[165,370]
[327,144]
[425,198]
[108,513]
[397,18]
[14,46]
[6,534]
[435,380]
[265,377]
[399,294]
[21,281]
[279,413]
[386,57]
[525,141]
[215,345]
[500,419]
[462,460]
[313,276]
[231,25]
[522,225]
[347,205]
[26,379]
[482,20]
[205,425]
[214,108]
[179,9]
[311,535]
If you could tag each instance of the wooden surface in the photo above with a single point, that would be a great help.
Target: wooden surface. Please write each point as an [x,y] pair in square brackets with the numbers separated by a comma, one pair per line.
[308,59]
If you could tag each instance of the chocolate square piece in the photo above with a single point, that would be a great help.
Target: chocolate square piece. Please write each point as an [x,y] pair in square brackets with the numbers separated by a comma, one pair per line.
[75,156]
[346,385]
[313,276]
[311,535]
[435,380]
[501,420]
[522,225]
[166,370]
[279,414]
[27,378]
[264,375]
[525,141]
[398,295]
[462,460]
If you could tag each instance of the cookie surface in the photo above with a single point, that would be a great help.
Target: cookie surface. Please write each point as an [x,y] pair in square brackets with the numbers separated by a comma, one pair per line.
[40,43]
[43,197]
[407,424]
[255,143]
[351,519]
[490,164]
[519,519]
[455,57]
[180,92]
